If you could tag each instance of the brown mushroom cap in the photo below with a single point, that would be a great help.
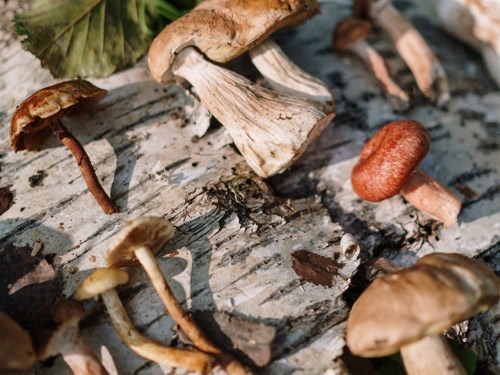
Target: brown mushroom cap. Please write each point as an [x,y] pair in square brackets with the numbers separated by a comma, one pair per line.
[16,347]
[149,231]
[100,281]
[224,29]
[402,307]
[29,125]
[388,159]
[349,31]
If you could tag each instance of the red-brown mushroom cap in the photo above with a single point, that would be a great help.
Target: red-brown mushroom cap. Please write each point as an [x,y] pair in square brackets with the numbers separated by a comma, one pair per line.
[350,31]
[29,124]
[388,159]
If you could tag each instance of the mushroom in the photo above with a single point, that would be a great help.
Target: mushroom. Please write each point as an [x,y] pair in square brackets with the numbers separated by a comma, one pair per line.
[285,77]
[350,36]
[16,346]
[41,113]
[408,310]
[426,68]
[271,130]
[476,23]
[139,241]
[388,165]
[59,335]
[103,282]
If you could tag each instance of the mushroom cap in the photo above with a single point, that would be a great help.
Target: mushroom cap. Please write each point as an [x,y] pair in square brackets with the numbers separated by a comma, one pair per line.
[56,329]
[148,231]
[16,347]
[349,31]
[29,124]
[388,159]
[437,292]
[100,281]
[224,29]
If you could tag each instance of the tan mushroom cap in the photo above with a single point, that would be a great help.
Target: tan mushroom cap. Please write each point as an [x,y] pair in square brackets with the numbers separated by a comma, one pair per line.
[224,29]
[402,307]
[349,31]
[148,231]
[100,281]
[29,125]
[16,347]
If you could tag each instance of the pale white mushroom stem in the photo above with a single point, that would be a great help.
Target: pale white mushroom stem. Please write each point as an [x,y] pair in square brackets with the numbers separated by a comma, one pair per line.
[79,356]
[183,319]
[431,355]
[398,99]
[271,130]
[147,348]
[285,76]
[432,197]
[426,68]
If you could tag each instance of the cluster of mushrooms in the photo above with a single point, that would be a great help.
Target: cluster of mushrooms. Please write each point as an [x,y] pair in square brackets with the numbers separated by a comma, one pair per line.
[404,310]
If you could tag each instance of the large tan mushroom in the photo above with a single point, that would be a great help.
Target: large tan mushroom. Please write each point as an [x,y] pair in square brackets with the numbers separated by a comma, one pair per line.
[16,346]
[428,71]
[270,129]
[408,310]
[138,242]
[103,283]
[40,114]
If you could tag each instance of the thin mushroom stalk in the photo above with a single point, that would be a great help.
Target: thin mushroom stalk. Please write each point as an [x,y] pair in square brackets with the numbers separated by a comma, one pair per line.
[271,130]
[286,77]
[428,71]
[431,355]
[85,165]
[431,197]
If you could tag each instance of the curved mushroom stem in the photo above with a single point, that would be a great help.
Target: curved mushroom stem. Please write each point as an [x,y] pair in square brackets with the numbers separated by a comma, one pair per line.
[185,321]
[426,68]
[270,130]
[397,98]
[286,77]
[149,349]
[79,356]
[86,168]
[430,196]
[431,355]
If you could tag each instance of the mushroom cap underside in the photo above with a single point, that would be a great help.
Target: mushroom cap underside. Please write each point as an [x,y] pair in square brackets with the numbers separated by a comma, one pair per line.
[388,159]
[399,308]
[224,29]
[16,347]
[100,281]
[29,124]
[149,231]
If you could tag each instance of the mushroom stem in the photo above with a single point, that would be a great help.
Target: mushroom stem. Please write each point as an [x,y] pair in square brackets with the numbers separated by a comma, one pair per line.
[79,356]
[183,319]
[398,99]
[426,68]
[431,355]
[286,77]
[430,196]
[147,348]
[270,130]
[86,168]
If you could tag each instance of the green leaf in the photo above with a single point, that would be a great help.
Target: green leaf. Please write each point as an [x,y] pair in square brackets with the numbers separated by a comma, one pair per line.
[86,38]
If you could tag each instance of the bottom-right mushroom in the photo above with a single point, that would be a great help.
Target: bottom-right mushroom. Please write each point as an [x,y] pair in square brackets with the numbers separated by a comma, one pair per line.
[388,165]
[409,310]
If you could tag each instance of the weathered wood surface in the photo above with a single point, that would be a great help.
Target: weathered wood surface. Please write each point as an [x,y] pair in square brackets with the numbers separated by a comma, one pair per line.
[234,235]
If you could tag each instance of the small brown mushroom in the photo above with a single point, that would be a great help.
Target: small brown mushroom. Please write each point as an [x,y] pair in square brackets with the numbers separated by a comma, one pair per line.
[16,346]
[59,335]
[426,68]
[350,35]
[408,310]
[139,241]
[388,165]
[41,113]
[103,282]
[271,130]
